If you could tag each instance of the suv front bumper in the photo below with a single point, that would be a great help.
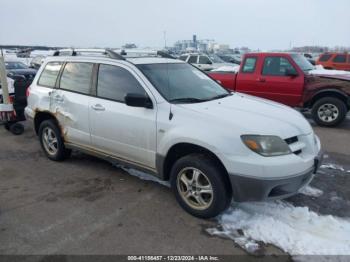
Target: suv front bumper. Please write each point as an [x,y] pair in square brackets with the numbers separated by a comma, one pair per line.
[259,189]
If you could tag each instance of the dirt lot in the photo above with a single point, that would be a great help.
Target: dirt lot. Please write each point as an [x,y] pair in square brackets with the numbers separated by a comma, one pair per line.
[87,206]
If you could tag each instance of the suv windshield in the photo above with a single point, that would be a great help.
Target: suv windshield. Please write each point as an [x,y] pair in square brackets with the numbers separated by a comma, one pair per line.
[182,83]
[302,62]
[15,65]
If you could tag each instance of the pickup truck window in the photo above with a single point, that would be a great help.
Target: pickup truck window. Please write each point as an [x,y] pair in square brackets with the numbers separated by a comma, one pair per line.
[249,65]
[339,59]
[193,59]
[276,66]
[182,82]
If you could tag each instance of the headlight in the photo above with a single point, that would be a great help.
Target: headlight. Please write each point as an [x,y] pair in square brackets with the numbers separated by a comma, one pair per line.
[266,145]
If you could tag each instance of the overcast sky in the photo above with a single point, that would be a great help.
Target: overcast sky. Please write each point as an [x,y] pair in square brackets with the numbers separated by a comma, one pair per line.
[264,24]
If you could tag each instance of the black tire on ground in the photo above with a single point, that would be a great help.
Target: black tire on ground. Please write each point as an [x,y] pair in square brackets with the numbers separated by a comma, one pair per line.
[61,153]
[333,103]
[221,188]
[7,126]
[16,129]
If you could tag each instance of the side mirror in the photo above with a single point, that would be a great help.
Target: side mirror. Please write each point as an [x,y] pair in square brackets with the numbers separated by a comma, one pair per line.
[291,72]
[137,100]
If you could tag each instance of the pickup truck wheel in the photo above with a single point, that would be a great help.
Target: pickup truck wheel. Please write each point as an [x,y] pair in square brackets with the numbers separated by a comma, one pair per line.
[199,186]
[51,141]
[329,111]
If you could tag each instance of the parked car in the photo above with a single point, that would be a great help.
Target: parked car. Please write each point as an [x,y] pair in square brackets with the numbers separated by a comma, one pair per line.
[338,61]
[16,68]
[37,61]
[285,78]
[231,58]
[170,119]
[203,61]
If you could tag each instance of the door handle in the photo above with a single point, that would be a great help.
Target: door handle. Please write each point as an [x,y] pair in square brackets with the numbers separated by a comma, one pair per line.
[261,80]
[98,107]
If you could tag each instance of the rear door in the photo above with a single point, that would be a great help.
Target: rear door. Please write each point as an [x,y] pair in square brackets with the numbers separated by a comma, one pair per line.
[274,84]
[70,102]
[124,131]
[339,62]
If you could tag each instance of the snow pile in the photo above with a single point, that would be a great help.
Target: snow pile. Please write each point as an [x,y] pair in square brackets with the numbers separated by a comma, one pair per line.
[311,191]
[143,176]
[233,69]
[319,70]
[332,166]
[296,230]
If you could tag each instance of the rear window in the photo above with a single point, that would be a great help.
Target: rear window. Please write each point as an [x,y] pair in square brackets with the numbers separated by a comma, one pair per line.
[49,75]
[325,58]
[249,65]
[183,57]
[339,59]
[76,77]
[193,59]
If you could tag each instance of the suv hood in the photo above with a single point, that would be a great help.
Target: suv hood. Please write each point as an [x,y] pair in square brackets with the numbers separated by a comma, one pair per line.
[252,115]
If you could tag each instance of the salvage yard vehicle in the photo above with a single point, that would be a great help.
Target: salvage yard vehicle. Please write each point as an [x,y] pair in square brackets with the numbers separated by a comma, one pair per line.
[16,68]
[204,62]
[338,61]
[168,118]
[285,78]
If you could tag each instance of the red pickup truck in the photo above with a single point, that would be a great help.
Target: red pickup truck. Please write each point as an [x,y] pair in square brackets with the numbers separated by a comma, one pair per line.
[286,78]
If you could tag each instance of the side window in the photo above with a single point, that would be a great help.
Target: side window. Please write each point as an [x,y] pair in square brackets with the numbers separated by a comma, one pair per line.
[325,57]
[115,82]
[339,59]
[204,60]
[183,57]
[249,65]
[77,77]
[192,59]
[276,66]
[49,75]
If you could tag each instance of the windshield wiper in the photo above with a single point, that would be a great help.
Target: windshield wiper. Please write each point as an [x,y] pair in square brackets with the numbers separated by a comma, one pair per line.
[187,100]
[220,96]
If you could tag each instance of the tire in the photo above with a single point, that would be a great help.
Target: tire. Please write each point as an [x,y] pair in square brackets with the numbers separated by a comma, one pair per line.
[7,126]
[16,129]
[329,111]
[207,170]
[52,142]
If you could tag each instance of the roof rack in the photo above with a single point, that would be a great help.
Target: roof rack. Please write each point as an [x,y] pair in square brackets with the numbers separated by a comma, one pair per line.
[75,52]
[120,54]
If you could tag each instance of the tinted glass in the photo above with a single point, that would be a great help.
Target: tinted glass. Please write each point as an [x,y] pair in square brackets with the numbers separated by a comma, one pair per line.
[49,75]
[115,82]
[182,81]
[249,65]
[204,60]
[183,57]
[276,66]
[193,59]
[77,77]
[325,57]
[339,59]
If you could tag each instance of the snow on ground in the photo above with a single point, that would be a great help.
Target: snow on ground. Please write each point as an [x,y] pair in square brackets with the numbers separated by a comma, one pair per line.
[333,166]
[311,191]
[319,70]
[295,230]
[234,69]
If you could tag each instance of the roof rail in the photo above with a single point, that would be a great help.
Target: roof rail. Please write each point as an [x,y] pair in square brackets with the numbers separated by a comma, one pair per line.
[74,52]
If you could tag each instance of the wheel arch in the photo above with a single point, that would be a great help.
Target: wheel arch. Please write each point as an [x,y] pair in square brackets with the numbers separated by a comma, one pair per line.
[331,92]
[175,152]
[42,116]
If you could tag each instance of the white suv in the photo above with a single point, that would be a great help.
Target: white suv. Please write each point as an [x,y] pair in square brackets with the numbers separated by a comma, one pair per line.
[205,62]
[170,119]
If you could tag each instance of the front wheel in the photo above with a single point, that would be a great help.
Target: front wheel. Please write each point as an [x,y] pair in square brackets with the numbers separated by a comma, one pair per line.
[329,111]
[200,186]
